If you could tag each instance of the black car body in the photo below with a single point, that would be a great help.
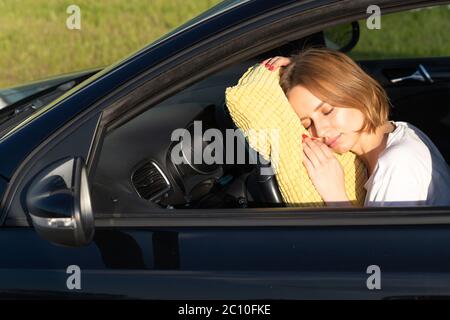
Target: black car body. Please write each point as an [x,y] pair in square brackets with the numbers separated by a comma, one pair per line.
[214,243]
[39,88]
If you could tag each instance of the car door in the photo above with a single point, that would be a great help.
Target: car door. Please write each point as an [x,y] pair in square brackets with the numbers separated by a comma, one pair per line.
[291,253]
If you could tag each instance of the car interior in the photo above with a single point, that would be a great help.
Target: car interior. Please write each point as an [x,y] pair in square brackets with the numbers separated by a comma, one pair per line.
[135,172]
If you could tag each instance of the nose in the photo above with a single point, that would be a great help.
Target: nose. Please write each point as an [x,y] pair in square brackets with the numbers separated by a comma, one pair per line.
[321,128]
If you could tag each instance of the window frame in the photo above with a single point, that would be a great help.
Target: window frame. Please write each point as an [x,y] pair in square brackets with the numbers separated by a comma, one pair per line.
[217,53]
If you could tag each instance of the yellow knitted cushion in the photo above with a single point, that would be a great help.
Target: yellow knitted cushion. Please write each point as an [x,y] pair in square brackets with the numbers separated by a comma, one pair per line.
[258,106]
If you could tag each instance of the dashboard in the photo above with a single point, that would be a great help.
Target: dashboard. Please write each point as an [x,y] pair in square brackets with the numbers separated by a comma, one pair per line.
[152,160]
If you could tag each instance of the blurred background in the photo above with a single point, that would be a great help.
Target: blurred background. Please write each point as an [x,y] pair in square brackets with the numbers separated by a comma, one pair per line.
[35,42]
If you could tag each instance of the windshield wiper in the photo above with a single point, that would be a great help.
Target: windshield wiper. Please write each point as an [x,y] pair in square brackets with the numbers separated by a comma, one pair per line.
[35,101]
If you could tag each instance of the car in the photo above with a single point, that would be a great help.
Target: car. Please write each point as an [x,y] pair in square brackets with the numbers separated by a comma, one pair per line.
[56,85]
[93,207]
[21,101]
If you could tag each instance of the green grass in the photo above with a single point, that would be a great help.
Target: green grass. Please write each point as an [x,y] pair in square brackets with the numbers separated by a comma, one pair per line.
[35,42]
[422,33]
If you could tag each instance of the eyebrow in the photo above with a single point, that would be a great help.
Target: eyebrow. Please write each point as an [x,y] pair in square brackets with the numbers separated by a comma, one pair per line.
[315,109]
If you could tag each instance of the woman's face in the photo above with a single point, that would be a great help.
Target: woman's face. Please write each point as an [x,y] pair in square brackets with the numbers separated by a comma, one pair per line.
[335,126]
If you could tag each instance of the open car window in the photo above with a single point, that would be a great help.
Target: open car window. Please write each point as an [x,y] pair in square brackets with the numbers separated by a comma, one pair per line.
[135,171]
[415,33]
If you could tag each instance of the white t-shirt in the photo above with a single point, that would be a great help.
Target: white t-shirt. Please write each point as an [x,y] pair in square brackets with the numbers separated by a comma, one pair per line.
[410,172]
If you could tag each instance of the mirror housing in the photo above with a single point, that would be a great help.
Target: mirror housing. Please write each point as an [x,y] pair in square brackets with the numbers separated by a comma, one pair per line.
[59,204]
[343,37]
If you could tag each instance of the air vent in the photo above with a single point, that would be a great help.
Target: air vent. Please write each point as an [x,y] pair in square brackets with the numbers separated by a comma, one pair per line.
[150,182]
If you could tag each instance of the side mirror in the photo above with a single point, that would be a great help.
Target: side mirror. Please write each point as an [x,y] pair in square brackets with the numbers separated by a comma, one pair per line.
[343,37]
[59,203]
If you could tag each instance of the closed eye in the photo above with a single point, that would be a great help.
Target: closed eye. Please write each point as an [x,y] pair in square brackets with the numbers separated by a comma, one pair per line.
[307,123]
[328,112]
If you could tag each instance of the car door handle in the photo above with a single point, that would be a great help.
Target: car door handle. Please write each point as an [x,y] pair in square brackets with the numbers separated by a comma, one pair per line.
[421,75]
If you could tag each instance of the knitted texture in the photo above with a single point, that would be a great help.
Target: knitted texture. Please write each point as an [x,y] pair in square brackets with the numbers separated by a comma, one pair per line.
[259,107]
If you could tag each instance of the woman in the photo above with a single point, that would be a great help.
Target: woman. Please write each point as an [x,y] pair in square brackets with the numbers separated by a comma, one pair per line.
[344,109]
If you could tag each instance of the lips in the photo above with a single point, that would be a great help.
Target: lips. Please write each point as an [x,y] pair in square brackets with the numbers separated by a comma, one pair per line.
[333,141]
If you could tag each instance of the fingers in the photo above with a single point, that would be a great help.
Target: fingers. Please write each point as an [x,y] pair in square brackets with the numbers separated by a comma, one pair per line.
[309,166]
[315,152]
[324,149]
[266,61]
[276,62]
[311,155]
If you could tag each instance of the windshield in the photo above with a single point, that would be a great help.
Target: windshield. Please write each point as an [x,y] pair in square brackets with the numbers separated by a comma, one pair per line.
[12,95]
[19,102]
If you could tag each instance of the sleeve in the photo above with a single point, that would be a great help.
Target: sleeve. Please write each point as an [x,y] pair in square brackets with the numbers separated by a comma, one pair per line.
[401,182]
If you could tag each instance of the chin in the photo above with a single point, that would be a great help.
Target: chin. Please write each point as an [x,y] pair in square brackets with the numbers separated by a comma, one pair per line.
[345,144]
[341,149]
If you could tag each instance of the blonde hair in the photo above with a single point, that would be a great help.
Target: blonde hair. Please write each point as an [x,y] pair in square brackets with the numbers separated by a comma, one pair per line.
[336,79]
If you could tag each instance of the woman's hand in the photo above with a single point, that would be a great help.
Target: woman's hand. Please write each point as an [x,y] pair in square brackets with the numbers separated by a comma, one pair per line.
[325,172]
[276,62]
